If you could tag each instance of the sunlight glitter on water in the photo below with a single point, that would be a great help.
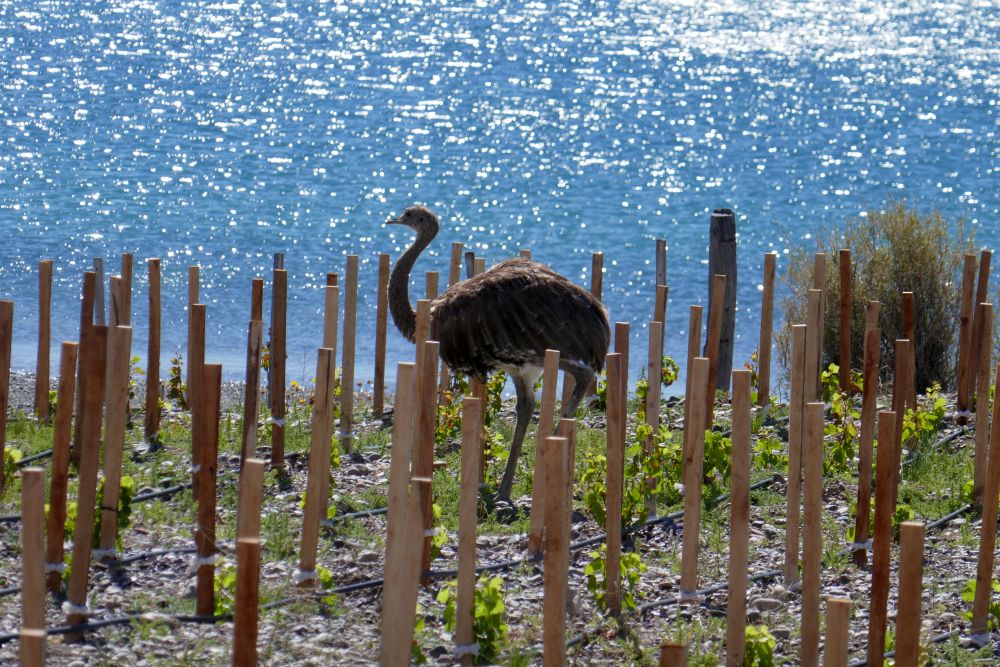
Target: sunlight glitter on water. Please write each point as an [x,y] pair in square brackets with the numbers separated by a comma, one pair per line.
[217,134]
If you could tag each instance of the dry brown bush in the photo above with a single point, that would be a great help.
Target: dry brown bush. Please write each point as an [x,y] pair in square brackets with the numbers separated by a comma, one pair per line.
[892,251]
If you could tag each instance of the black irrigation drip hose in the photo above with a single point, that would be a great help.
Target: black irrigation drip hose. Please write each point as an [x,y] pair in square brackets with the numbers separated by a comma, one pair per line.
[434,574]
[34,457]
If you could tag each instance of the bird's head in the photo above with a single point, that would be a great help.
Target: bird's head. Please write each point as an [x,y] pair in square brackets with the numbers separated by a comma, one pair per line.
[418,218]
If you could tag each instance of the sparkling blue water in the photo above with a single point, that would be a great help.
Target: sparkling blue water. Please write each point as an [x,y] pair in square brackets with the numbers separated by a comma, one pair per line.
[220,133]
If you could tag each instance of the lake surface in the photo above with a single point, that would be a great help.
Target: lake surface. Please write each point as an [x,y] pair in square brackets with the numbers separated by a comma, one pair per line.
[217,134]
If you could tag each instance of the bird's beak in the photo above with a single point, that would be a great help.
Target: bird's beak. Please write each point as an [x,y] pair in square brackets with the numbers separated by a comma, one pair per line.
[392,221]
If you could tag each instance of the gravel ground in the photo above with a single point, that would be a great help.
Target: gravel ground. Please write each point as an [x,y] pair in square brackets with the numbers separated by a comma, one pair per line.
[305,632]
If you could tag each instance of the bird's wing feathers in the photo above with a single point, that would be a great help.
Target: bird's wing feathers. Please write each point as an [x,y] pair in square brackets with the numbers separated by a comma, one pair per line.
[512,314]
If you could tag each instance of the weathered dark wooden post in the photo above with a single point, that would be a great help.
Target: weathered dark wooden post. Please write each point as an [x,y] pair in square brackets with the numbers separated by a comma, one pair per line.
[722,260]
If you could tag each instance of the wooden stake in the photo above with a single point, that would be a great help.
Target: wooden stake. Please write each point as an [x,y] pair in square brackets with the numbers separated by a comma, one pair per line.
[694,454]
[470,264]
[251,394]
[622,348]
[900,382]
[988,533]
[908,609]
[661,262]
[985,315]
[86,320]
[98,308]
[151,425]
[766,325]
[814,345]
[653,373]
[845,322]
[722,261]
[838,626]
[882,542]
[868,407]
[257,299]
[567,429]
[32,548]
[251,490]
[399,480]
[125,313]
[694,340]
[556,557]
[196,377]
[245,604]
[739,521]
[206,429]
[524,253]
[965,336]
[318,482]
[276,368]
[546,413]
[193,288]
[114,320]
[431,285]
[673,655]
[472,422]
[332,280]
[455,265]
[381,320]
[597,275]
[346,434]
[660,308]
[61,433]
[44,339]
[89,420]
[982,296]
[6,337]
[32,652]
[909,333]
[812,531]
[479,266]
[116,408]
[398,619]
[614,485]
[715,316]
[423,449]
[795,416]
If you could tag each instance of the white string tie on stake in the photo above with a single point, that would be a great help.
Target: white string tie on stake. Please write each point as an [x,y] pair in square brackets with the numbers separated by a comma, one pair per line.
[195,469]
[55,567]
[100,554]
[345,435]
[71,609]
[200,561]
[302,576]
[276,421]
[466,649]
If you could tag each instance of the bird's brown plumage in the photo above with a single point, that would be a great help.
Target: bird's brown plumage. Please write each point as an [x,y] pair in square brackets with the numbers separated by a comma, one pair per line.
[506,318]
[509,316]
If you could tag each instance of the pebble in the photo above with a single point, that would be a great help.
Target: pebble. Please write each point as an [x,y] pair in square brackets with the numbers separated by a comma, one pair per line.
[767,604]
[368,557]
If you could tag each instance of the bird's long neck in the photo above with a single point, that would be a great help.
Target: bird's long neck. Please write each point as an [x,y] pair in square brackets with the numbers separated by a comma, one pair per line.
[399,286]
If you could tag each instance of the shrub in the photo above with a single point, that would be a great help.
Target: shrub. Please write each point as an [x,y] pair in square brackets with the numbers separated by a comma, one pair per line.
[892,251]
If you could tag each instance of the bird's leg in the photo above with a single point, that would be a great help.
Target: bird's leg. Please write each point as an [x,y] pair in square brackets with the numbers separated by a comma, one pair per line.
[583,375]
[524,407]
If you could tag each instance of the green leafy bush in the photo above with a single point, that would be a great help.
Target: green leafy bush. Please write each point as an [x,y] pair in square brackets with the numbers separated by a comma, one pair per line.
[488,626]
[760,645]
[894,250]
[632,568]
[969,596]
